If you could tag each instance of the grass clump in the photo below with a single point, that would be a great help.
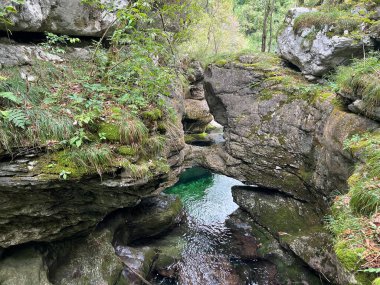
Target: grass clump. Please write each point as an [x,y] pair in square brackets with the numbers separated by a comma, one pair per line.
[361,80]
[354,221]
[93,157]
[365,182]
[339,21]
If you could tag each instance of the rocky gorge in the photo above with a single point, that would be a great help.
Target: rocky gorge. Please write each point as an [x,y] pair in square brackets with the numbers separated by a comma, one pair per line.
[283,137]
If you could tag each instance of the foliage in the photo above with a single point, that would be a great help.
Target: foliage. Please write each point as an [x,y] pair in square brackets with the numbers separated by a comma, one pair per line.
[214,31]
[119,96]
[251,17]
[55,42]
[7,9]
[339,21]
[355,219]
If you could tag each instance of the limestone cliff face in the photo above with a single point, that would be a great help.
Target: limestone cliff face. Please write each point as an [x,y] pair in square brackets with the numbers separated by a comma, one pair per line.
[40,206]
[274,137]
[287,138]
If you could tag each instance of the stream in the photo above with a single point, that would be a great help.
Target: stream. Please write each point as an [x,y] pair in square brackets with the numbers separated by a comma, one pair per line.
[213,245]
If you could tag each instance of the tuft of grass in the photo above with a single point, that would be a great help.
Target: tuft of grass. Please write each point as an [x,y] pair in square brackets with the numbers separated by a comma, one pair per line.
[340,21]
[133,131]
[365,182]
[361,79]
[96,157]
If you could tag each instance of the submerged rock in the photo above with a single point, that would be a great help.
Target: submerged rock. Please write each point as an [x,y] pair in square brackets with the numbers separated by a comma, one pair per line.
[138,263]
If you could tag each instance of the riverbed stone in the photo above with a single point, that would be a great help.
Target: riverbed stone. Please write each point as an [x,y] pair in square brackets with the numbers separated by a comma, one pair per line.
[91,261]
[138,263]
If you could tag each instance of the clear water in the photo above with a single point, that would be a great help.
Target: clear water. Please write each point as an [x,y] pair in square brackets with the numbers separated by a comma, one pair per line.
[207,247]
[208,203]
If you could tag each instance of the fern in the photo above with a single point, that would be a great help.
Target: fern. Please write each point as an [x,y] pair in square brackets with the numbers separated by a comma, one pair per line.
[11,97]
[16,117]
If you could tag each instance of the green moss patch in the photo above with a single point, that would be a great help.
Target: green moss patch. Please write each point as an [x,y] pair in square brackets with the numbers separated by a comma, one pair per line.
[126,150]
[110,131]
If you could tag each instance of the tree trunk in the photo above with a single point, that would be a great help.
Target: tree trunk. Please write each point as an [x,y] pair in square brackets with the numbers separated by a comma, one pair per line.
[265,23]
[271,25]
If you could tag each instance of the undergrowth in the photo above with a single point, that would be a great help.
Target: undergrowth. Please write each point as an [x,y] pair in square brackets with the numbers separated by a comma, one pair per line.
[352,19]
[105,113]
[355,221]
[361,80]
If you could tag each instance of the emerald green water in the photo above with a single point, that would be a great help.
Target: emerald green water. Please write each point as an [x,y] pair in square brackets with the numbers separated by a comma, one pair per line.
[207,251]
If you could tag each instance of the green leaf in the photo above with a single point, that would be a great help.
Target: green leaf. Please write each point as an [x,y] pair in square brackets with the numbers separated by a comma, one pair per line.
[10,96]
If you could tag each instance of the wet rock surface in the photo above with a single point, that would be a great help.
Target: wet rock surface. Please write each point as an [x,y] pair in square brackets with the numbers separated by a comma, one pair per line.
[296,226]
[91,260]
[255,242]
[153,216]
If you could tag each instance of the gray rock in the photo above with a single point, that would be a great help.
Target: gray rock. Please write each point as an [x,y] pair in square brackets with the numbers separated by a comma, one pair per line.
[358,106]
[15,55]
[256,242]
[197,116]
[151,217]
[276,140]
[296,225]
[69,17]
[313,51]
[138,262]
[195,72]
[24,267]
[197,92]
[88,261]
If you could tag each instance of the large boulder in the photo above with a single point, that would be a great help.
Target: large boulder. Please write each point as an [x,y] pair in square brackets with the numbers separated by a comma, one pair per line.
[297,226]
[197,116]
[253,241]
[91,260]
[69,17]
[315,51]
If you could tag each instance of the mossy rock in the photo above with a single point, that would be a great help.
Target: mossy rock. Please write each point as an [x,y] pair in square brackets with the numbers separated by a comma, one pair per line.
[349,257]
[126,150]
[189,138]
[110,131]
[58,162]
[152,115]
